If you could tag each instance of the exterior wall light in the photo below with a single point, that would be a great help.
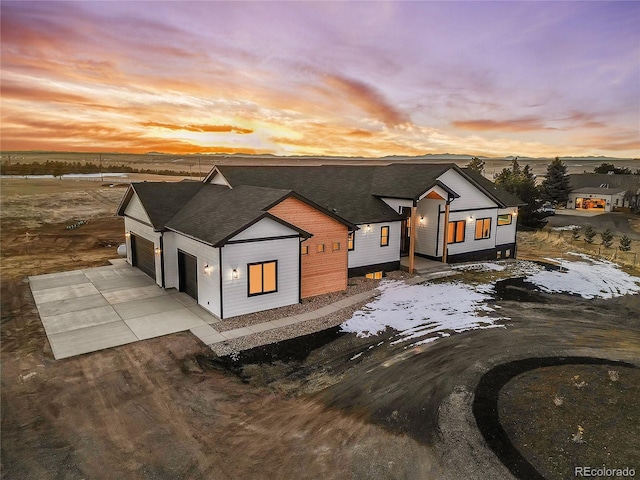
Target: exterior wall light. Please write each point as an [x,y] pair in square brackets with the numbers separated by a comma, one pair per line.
[515,213]
[157,250]
[127,234]
[368,229]
[422,220]
[208,269]
[235,274]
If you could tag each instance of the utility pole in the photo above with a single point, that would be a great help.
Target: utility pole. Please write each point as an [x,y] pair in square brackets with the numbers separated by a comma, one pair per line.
[100,156]
[199,172]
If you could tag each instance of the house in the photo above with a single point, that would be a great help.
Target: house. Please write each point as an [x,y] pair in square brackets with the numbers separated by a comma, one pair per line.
[251,238]
[604,192]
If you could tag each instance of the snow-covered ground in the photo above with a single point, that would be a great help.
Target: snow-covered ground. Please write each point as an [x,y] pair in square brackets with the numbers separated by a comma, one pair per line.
[587,277]
[425,312]
[566,227]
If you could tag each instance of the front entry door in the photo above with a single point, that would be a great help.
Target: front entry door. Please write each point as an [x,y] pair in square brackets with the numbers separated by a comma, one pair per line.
[188,274]
[405,231]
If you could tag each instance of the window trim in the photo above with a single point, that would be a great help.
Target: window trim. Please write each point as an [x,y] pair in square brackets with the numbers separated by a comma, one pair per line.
[383,236]
[456,224]
[320,248]
[304,249]
[249,265]
[351,241]
[510,215]
[475,232]
[333,246]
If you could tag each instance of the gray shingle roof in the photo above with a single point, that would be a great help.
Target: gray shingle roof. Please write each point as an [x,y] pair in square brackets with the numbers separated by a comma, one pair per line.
[402,180]
[624,182]
[217,213]
[342,189]
[162,200]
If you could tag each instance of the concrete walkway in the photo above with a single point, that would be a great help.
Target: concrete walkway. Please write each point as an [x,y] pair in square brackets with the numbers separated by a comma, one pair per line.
[89,310]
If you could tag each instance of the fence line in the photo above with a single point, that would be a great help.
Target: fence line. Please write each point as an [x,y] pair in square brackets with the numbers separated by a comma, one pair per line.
[599,250]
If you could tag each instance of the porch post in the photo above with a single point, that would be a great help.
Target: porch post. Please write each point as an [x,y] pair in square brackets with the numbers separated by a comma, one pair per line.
[412,239]
[445,242]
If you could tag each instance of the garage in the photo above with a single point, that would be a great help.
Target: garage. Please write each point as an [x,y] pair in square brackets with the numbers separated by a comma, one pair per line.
[188,274]
[143,256]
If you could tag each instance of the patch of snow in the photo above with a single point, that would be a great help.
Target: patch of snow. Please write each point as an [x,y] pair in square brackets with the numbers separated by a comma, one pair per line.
[589,278]
[566,227]
[423,310]
[356,356]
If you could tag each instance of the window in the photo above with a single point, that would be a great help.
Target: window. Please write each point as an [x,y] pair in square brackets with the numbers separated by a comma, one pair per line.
[351,241]
[374,275]
[263,277]
[504,219]
[304,250]
[507,252]
[455,233]
[483,228]
[336,246]
[384,236]
[320,247]
[498,254]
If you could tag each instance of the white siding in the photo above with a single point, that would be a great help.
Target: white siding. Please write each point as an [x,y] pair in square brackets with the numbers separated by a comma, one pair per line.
[470,244]
[507,233]
[427,231]
[264,228]
[470,196]
[218,179]
[136,210]
[367,245]
[144,231]
[208,283]
[236,291]
[397,203]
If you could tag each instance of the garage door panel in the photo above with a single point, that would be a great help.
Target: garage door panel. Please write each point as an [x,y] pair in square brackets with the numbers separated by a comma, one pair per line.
[188,274]
[143,255]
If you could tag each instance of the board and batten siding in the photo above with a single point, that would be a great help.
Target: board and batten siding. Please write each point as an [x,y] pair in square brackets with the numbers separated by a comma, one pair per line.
[427,231]
[470,196]
[506,234]
[367,245]
[145,231]
[470,244]
[135,209]
[264,228]
[235,291]
[208,283]
[322,272]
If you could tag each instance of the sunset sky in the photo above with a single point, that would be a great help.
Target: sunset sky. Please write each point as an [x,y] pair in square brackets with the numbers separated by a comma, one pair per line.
[327,78]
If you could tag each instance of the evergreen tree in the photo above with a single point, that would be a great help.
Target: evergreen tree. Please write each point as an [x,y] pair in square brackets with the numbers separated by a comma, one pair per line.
[625,243]
[476,164]
[521,182]
[589,233]
[607,237]
[555,188]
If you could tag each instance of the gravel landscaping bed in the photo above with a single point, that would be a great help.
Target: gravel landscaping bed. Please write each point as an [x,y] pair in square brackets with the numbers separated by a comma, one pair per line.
[285,333]
[355,286]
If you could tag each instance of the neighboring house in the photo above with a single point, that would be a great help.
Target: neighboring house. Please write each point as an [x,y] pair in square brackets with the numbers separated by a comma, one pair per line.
[604,192]
[252,238]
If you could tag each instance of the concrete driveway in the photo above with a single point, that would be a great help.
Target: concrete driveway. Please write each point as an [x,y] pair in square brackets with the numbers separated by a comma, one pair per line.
[87,310]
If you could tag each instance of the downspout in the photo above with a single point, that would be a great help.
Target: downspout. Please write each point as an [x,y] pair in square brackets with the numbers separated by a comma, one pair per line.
[162,259]
[412,238]
[220,279]
[445,243]
[300,240]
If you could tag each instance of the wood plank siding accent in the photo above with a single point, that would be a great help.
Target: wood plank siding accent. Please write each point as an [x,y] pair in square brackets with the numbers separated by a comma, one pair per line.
[321,272]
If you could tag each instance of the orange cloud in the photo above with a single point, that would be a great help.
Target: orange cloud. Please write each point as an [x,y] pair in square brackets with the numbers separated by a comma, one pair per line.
[199,128]
[13,90]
